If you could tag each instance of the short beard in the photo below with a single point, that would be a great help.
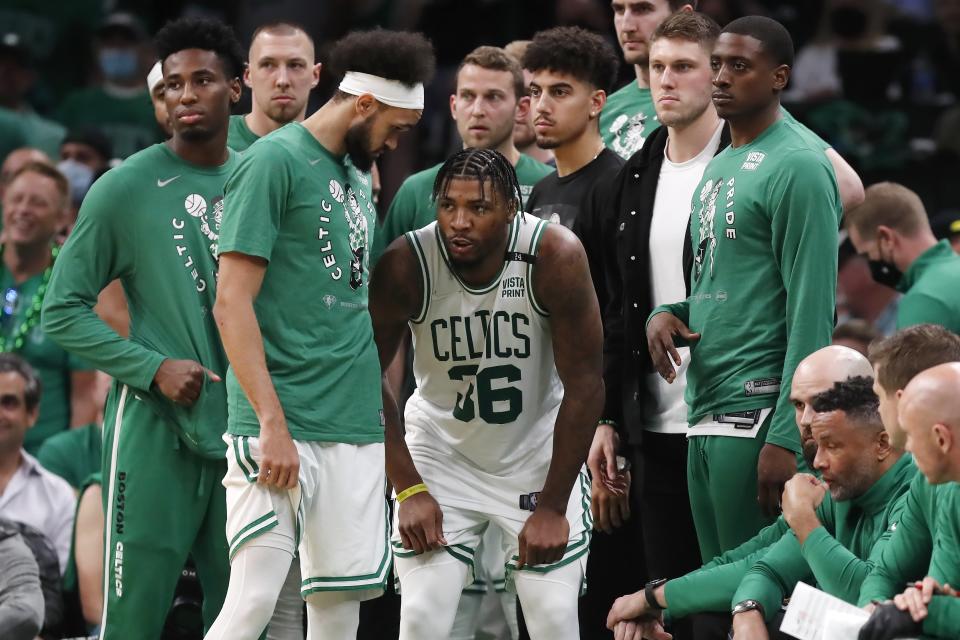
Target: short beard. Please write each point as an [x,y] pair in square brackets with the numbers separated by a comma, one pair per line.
[357,142]
[549,143]
[284,115]
[809,453]
[858,484]
[196,134]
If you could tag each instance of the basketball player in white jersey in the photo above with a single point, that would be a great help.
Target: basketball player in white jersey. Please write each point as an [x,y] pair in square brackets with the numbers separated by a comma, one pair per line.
[507,358]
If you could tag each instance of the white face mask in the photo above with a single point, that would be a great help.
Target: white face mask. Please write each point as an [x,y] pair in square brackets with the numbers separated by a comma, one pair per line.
[80,177]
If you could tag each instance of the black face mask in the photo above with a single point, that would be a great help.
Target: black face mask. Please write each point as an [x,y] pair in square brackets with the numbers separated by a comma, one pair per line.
[885,273]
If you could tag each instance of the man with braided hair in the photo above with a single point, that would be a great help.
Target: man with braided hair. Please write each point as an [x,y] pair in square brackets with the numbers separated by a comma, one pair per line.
[305,467]
[507,337]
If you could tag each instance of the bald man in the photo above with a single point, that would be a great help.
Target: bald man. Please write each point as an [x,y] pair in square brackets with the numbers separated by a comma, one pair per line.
[930,416]
[896,361]
[834,402]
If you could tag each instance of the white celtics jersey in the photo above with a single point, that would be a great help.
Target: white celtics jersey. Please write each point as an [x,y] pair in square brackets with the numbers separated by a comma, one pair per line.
[487,387]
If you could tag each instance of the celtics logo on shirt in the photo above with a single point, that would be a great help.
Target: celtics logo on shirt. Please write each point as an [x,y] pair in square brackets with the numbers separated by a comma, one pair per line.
[707,244]
[358,238]
[628,133]
[210,217]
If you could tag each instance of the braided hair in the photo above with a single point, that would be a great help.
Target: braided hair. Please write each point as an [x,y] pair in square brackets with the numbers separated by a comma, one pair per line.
[480,165]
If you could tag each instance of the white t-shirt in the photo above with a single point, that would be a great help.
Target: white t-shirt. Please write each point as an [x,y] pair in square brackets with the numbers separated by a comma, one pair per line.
[671,217]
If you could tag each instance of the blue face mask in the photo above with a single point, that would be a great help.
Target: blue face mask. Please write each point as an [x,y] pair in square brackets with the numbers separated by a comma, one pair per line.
[80,177]
[118,64]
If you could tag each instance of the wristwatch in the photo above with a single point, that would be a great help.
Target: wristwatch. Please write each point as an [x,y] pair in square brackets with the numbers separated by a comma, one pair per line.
[648,590]
[746,605]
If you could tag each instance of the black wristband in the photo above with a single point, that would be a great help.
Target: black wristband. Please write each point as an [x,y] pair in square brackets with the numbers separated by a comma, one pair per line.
[648,590]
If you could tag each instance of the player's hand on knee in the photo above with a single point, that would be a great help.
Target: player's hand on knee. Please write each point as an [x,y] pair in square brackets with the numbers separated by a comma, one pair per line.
[182,380]
[544,537]
[775,467]
[421,523]
[661,331]
[279,460]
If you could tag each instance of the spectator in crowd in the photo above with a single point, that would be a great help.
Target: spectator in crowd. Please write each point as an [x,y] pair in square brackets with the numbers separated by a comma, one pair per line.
[892,230]
[88,551]
[33,213]
[84,155]
[846,26]
[628,116]
[74,455]
[15,160]
[944,48]
[281,72]
[930,416]
[118,104]
[28,492]
[19,124]
[21,600]
[524,136]
[856,334]
[859,296]
[155,87]
[946,226]
[896,360]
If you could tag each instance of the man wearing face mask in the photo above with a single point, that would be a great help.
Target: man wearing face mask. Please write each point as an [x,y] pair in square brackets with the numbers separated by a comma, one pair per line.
[119,105]
[84,155]
[892,231]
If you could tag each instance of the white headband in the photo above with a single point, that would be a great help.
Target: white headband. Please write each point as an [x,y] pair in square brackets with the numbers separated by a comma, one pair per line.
[154,77]
[389,92]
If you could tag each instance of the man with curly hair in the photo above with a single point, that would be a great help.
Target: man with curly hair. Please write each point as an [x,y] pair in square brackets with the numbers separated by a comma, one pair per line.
[152,223]
[305,421]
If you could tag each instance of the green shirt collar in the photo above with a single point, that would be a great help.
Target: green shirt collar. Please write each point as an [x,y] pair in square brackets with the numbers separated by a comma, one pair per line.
[877,497]
[940,252]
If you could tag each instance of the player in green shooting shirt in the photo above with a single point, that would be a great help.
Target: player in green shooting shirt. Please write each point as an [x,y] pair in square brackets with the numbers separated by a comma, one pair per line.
[305,420]
[153,223]
[280,72]
[763,224]
[484,106]
[628,117]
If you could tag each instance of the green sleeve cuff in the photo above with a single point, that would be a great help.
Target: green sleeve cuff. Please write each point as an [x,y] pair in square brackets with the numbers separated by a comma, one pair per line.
[756,585]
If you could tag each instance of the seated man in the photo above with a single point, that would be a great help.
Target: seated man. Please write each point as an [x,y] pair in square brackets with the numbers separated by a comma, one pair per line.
[28,492]
[815,374]
[866,479]
[896,360]
[21,600]
[930,416]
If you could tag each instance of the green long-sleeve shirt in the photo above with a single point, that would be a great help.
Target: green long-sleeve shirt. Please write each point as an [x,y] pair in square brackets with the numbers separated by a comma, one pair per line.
[764,231]
[768,566]
[907,555]
[943,613]
[930,291]
[840,553]
[153,223]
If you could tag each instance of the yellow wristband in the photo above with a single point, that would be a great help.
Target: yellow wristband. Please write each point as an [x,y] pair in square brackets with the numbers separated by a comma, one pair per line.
[411,491]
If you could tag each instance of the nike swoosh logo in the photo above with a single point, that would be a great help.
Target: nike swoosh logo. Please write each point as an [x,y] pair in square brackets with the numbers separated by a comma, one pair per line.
[163,183]
[313,162]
